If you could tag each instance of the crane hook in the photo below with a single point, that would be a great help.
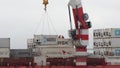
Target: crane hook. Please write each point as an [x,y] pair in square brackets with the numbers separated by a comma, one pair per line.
[45,2]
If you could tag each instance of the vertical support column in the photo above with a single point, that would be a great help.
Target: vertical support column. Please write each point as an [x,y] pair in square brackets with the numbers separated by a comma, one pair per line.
[81,36]
[81,59]
[81,50]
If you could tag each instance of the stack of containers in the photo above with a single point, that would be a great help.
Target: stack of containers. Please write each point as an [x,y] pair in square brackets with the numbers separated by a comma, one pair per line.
[50,46]
[98,42]
[4,47]
[107,40]
[43,40]
[115,41]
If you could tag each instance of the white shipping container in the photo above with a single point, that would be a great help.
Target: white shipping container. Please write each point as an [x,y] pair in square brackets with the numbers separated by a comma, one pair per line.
[97,33]
[5,42]
[4,52]
[111,42]
[106,33]
[115,42]
[116,51]
[56,51]
[115,32]
[111,37]
[62,41]
[45,39]
[102,33]
[98,42]
[95,44]
[107,42]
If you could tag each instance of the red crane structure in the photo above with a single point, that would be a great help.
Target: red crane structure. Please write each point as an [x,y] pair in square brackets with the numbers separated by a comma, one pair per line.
[79,34]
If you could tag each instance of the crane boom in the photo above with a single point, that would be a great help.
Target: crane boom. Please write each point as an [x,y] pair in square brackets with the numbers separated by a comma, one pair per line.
[80,33]
[79,18]
[78,13]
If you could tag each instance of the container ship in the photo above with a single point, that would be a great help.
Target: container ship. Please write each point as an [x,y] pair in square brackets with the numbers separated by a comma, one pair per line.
[55,51]
[47,51]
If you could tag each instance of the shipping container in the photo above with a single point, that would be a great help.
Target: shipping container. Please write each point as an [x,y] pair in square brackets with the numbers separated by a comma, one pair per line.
[19,53]
[115,32]
[4,52]
[107,33]
[62,41]
[115,42]
[117,51]
[107,42]
[4,42]
[45,39]
[98,33]
[55,51]
[98,43]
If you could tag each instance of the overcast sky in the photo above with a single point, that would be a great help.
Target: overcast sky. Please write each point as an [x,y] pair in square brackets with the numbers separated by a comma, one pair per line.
[19,19]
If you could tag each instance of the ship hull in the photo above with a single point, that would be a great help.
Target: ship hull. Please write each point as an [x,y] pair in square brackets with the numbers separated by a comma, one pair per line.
[108,66]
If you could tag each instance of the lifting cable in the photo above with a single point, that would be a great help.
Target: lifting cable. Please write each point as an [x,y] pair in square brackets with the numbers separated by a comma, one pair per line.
[51,24]
[39,24]
[46,25]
